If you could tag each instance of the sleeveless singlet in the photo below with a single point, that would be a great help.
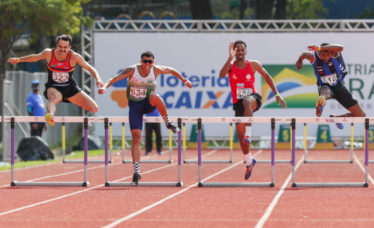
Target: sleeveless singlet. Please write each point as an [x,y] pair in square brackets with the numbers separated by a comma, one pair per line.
[60,73]
[330,72]
[242,81]
[136,93]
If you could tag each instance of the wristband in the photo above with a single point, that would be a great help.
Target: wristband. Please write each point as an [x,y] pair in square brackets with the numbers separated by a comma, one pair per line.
[277,95]
[185,80]
[18,60]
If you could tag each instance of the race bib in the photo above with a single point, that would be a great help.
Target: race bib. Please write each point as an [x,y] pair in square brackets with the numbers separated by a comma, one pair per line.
[242,92]
[329,79]
[138,92]
[60,77]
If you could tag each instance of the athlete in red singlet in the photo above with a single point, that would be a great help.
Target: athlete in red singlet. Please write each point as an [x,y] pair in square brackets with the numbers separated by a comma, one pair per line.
[61,86]
[244,95]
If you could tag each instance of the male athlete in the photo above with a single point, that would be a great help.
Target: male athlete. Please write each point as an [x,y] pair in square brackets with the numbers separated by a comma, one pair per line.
[244,95]
[61,86]
[143,99]
[330,71]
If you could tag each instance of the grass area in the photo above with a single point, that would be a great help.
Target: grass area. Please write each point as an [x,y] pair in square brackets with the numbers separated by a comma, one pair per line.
[73,155]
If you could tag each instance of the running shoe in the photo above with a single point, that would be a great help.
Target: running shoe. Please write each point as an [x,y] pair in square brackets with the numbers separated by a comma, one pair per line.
[319,105]
[135,179]
[174,128]
[248,169]
[247,139]
[49,119]
[337,124]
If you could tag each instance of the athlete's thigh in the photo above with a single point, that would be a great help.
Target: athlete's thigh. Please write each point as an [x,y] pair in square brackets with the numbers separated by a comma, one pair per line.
[81,99]
[54,95]
[251,101]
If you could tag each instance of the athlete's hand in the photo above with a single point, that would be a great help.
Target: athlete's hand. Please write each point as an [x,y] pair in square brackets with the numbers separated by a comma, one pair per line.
[101,90]
[13,60]
[299,64]
[232,51]
[188,83]
[313,48]
[99,84]
[280,100]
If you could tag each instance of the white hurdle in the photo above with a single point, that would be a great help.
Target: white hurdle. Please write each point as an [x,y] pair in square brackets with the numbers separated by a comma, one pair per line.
[178,183]
[331,120]
[239,120]
[77,119]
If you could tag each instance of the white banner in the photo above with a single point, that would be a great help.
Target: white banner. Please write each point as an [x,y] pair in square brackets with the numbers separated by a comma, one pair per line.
[200,57]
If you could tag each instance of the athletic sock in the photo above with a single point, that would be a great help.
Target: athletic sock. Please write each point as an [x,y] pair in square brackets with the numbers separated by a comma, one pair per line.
[166,119]
[248,159]
[137,167]
[248,131]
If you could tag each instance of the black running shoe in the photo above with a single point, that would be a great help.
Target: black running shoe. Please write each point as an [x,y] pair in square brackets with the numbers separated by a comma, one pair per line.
[174,128]
[135,179]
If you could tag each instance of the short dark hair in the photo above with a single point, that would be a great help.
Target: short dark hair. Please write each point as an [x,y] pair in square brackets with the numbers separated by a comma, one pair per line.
[65,37]
[240,42]
[324,44]
[147,54]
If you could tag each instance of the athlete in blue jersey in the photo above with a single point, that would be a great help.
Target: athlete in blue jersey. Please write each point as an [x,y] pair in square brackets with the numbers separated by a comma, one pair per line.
[330,70]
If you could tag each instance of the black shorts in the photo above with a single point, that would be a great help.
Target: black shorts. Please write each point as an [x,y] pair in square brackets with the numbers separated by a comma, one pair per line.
[66,91]
[239,108]
[341,94]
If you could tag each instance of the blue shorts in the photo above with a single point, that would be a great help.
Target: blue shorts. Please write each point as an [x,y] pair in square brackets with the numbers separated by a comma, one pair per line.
[136,111]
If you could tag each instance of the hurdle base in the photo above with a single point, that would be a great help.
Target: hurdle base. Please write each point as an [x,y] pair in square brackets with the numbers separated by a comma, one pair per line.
[81,161]
[276,161]
[328,161]
[331,184]
[236,184]
[144,184]
[149,161]
[208,161]
[66,184]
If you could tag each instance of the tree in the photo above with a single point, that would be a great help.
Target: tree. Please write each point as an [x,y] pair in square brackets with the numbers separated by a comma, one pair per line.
[201,9]
[31,17]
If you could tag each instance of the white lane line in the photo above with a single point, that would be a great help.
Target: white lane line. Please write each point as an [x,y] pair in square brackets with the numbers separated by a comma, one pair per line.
[119,221]
[85,190]
[272,205]
[362,168]
[68,173]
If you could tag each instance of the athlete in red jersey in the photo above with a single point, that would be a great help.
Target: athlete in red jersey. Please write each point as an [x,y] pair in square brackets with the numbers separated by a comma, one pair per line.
[61,86]
[244,95]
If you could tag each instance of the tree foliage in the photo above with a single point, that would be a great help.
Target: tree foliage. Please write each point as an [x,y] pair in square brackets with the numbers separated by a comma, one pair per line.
[35,17]
[305,9]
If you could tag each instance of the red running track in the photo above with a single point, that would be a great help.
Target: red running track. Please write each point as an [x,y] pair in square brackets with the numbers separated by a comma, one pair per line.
[189,205]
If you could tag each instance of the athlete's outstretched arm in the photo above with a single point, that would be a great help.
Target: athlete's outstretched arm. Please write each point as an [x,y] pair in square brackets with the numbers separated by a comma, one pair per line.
[269,80]
[227,67]
[83,63]
[308,55]
[169,70]
[31,58]
[128,72]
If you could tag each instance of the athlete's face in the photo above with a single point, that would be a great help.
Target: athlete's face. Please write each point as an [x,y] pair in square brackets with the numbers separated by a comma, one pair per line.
[63,47]
[324,55]
[147,62]
[241,51]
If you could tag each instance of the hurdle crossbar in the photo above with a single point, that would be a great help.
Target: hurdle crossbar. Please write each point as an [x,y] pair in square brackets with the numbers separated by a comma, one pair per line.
[237,184]
[153,120]
[179,182]
[13,182]
[334,184]
[328,161]
[213,161]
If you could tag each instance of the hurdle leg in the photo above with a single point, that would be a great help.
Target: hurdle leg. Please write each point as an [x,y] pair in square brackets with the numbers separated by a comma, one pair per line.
[106,152]
[340,184]
[123,143]
[179,154]
[85,183]
[236,184]
[184,141]
[63,146]
[293,156]
[12,182]
[305,145]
